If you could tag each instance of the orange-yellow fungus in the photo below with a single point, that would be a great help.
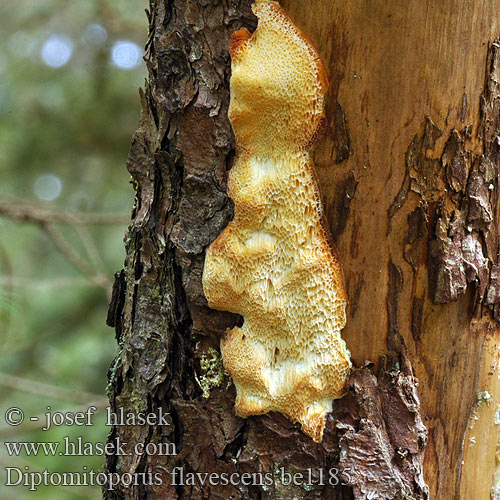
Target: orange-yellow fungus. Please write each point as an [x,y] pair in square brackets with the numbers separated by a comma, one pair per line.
[274,263]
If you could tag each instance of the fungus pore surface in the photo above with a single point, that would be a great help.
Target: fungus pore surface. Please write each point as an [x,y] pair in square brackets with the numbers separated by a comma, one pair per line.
[274,263]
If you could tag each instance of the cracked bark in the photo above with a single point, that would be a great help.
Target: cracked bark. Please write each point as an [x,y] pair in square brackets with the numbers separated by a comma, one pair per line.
[410,206]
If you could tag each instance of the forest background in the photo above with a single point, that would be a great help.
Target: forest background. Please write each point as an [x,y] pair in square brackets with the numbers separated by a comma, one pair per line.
[69,79]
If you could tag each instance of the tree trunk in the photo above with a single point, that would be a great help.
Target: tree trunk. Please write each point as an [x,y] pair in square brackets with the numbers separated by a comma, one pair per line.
[408,171]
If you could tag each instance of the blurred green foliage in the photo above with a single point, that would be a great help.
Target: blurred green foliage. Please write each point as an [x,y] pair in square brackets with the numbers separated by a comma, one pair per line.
[67,113]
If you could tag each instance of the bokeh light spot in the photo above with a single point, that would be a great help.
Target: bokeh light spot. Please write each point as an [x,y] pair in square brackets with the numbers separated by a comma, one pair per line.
[47,187]
[95,36]
[126,55]
[57,50]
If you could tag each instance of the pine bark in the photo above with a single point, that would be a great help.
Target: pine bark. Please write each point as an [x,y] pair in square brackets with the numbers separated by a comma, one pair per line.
[408,170]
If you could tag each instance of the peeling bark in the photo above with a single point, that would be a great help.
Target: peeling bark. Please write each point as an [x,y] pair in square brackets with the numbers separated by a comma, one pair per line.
[458,193]
[382,414]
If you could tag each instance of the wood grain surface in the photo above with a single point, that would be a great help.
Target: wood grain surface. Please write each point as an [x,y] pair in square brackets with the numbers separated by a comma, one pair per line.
[391,65]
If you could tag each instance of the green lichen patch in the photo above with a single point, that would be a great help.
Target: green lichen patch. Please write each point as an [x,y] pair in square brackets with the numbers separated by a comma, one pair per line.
[484,397]
[212,372]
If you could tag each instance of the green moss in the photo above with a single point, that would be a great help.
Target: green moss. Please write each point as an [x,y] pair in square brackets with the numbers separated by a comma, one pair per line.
[111,378]
[136,401]
[155,292]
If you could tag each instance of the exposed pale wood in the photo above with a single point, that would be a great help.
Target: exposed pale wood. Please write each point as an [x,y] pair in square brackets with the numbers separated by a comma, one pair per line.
[481,439]
[394,63]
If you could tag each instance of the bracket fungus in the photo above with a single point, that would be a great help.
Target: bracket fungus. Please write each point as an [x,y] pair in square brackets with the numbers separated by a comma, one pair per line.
[274,263]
